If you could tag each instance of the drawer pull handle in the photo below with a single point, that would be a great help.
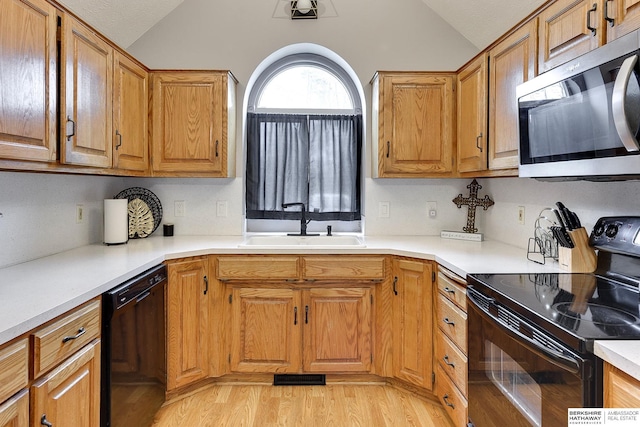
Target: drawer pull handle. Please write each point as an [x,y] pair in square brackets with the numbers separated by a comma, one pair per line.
[449,290]
[80,333]
[448,322]
[306,314]
[589,26]
[446,401]
[44,421]
[395,285]
[446,361]
[295,315]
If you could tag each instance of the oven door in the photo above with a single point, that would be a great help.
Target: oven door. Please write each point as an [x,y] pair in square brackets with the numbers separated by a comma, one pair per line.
[515,379]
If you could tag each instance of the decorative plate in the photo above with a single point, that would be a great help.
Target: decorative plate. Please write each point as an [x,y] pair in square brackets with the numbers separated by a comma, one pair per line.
[145,211]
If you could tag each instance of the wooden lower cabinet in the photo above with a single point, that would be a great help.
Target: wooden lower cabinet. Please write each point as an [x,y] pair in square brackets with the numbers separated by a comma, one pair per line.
[70,394]
[283,330]
[188,327]
[337,330]
[412,322]
[620,389]
[265,330]
[15,411]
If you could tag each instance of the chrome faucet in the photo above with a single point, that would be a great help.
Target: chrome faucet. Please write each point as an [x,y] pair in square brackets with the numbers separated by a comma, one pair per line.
[303,219]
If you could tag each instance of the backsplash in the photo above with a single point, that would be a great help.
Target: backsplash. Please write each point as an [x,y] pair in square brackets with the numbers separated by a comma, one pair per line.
[38,210]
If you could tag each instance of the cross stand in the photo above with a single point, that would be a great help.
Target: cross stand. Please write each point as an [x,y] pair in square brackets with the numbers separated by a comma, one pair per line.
[472,202]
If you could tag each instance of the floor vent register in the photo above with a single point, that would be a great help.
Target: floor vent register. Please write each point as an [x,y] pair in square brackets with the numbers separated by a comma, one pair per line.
[299,379]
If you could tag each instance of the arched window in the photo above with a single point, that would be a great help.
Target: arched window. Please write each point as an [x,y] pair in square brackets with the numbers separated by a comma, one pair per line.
[304,142]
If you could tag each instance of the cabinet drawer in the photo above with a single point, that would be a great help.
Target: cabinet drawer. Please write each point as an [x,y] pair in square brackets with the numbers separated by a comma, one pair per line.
[343,267]
[453,402]
[452,290]
[452,361]
[453,322]
[14,371]
[56,342]
[264,268]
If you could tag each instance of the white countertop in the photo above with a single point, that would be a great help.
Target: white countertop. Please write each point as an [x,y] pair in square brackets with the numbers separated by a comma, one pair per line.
[35,292]
[624,355]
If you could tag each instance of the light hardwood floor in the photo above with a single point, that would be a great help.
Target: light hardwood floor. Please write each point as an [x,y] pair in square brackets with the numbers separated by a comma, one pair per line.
[331,405]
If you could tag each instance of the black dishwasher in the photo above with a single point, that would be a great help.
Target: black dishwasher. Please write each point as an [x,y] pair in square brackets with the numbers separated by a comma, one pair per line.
[133,351]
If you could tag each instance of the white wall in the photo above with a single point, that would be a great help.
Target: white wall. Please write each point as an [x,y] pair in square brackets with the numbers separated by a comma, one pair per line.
[38,213]
[38,210]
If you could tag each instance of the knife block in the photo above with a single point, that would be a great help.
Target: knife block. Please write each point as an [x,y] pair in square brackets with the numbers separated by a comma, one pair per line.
[581,258]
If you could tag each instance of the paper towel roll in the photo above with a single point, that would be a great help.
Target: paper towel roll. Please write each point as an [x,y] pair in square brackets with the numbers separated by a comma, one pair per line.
[116,221]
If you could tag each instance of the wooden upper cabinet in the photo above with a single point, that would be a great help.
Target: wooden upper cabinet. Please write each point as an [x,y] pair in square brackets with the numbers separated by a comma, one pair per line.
[622,17]
[511,62]
[569,28]
[86,96]
[193,114]
[130,115]
[413,124]
[28,80]
[472,115]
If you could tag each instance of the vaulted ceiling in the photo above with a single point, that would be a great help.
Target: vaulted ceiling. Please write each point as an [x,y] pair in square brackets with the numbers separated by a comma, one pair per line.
[479,21]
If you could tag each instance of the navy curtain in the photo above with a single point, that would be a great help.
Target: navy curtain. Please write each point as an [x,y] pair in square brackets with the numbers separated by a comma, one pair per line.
[313,159]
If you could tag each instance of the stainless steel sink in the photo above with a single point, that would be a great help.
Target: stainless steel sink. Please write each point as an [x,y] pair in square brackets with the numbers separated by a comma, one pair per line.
[282,241]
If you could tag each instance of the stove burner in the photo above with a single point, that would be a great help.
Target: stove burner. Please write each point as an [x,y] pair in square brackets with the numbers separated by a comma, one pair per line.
[598,314]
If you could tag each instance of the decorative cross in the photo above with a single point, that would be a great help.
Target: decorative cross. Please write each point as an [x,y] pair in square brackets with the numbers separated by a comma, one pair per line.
[472,201]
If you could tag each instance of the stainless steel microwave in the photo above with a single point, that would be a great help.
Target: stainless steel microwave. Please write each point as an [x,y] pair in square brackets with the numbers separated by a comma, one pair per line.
[581,120]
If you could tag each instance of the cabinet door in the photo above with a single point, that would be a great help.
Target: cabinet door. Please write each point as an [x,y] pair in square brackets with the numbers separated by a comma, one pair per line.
[569,28]
[512,61]
[70,394]
[86,96]
[472,116]
[412,322]
[130,115]
[622,17]
[187,322]
[189,123]
[28,77]
[620,389]
[417,125]
[265,330]
[15,411]
[337,330]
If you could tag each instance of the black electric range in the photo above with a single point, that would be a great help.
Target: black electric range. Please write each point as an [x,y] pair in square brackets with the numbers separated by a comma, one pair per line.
[578,308]
[530,336]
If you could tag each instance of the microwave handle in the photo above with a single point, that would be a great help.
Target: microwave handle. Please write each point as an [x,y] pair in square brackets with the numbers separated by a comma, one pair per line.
[617,104]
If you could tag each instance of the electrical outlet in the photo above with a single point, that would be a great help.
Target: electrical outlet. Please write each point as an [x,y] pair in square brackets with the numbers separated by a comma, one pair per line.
[179,208]
[521,215]
[432,209]
[79,214]
[383,210]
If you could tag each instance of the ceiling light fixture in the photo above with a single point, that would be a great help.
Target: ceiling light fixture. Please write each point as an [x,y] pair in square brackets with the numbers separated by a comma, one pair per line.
[304,9]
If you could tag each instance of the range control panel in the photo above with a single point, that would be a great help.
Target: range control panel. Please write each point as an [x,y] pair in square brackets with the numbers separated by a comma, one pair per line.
[617,234]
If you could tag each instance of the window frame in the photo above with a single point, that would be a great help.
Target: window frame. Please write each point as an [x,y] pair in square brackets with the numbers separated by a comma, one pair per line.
[350,83]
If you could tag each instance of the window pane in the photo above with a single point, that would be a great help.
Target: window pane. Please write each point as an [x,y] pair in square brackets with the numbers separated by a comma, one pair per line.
[305,86]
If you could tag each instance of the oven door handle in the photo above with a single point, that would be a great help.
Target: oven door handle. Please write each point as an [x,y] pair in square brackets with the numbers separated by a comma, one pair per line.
[568,363]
